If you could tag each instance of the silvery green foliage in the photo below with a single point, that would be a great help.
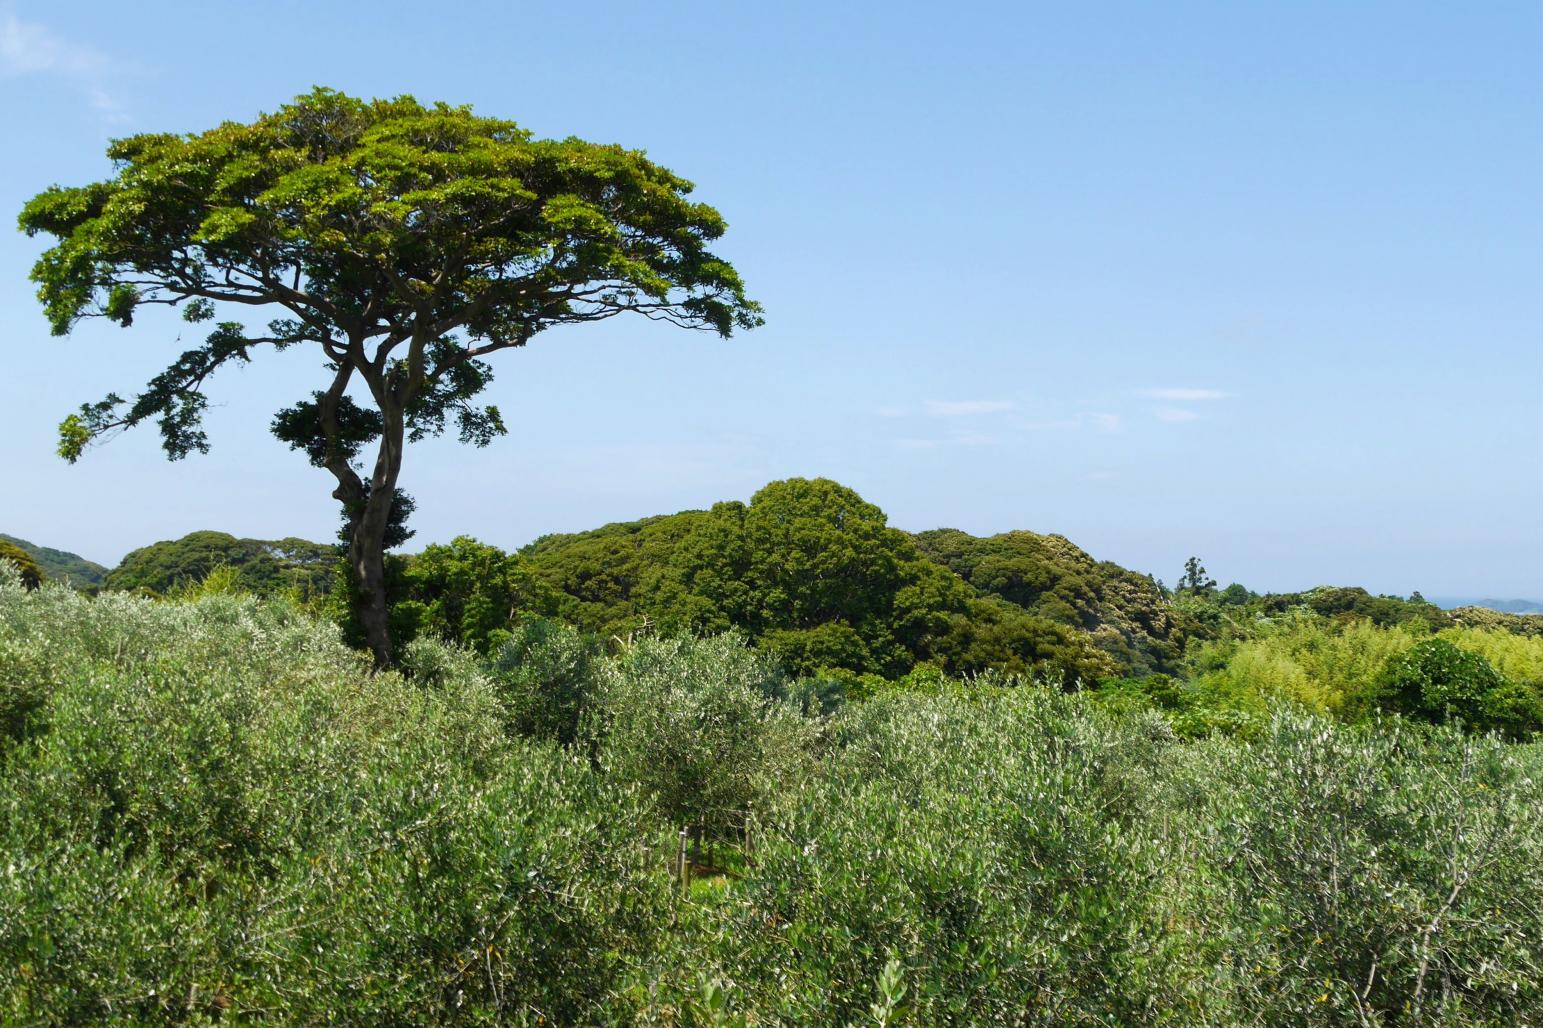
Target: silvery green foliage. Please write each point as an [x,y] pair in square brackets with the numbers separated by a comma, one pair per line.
[548,676]
[984,842]
[220,810]
[704,727]
[1386,875]
[211,807]
[1028,859]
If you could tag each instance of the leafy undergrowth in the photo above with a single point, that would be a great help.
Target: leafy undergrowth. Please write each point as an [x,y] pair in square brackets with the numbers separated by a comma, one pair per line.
[211,810]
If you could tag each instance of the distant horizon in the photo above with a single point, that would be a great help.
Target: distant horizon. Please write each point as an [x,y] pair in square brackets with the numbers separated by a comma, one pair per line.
[1444,599]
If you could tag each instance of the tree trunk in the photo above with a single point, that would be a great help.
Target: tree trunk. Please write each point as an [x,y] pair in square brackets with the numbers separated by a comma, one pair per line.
[368,503]
[367,565]
[367,545]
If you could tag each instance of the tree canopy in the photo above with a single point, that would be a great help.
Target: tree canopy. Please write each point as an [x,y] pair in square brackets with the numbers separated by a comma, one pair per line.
[808,570]
[1050,577]
[402,242]
[262,566]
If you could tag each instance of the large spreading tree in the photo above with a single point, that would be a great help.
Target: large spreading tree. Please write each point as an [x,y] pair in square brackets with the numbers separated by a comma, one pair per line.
[404,243]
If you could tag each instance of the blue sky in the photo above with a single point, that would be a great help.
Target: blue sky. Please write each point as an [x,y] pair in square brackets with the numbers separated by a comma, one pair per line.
[1259,282]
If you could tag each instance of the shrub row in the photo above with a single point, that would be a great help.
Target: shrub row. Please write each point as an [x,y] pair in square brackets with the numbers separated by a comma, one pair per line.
[210,808]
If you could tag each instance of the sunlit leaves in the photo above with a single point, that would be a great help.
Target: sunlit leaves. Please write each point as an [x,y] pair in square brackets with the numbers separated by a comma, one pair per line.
[74,436]
[382,221]
[197,310]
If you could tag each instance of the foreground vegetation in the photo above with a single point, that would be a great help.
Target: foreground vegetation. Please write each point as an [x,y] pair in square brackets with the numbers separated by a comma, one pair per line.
[210,807]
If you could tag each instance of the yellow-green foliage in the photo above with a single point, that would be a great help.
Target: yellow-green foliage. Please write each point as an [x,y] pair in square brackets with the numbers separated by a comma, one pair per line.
[1339,667]
[1343,661]
[1320,665]
[222,580]
[1518,657]
[1258,674]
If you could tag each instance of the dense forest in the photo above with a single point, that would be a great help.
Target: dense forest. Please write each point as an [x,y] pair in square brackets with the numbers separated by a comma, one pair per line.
[813,575]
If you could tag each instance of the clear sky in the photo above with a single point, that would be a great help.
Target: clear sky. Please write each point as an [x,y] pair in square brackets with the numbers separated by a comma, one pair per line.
[1258,282]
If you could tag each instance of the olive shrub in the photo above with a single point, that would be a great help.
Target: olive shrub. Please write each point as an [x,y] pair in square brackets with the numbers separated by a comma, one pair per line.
[210,807]
[1022,856]
[215,808]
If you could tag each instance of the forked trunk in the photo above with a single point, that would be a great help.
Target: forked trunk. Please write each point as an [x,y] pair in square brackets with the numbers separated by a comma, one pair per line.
[368,503]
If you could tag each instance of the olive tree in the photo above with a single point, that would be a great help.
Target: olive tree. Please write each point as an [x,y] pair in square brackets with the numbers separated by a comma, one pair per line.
[403,243]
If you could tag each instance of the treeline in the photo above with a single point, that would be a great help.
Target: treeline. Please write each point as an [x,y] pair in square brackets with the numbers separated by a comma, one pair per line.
[806,570]
[813,575]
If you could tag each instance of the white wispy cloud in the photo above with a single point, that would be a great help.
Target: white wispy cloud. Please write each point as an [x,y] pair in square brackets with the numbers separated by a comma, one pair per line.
[964,408]
[1185,395]
[29,49]
[1174,414]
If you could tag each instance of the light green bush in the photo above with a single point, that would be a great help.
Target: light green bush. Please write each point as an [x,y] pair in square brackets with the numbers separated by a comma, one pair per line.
[703,727]
[1518,657]
[1020,859]
[1360,876]
[986,845]
[224,812]
[548,676]
[1314,663]
[211,809]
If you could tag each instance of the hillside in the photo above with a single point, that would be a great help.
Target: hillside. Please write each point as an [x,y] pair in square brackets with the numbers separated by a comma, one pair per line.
[811,571]
[1126,613]
[60,565]
[263,566]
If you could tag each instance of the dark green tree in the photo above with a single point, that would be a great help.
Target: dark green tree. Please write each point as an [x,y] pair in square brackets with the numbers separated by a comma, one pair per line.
[1235,595]
[1438,682]
[1195,579]
[1050,577]
[262,566]
[402,243]
[469,593]
[813,573]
